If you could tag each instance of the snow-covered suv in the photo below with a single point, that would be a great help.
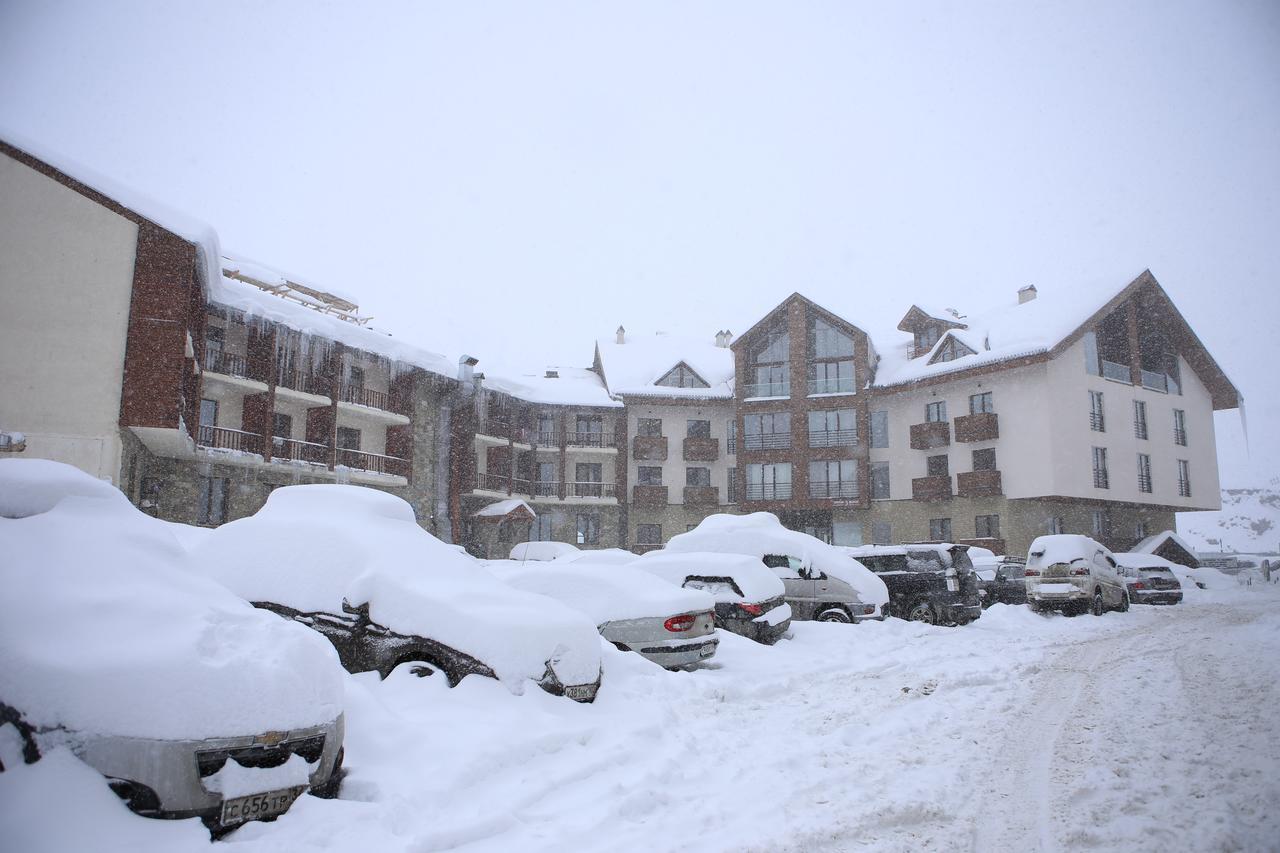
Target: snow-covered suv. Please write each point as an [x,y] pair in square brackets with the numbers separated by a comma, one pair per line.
[932,583]
[1074,574]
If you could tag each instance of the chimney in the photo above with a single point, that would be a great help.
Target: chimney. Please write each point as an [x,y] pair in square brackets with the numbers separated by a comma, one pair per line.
[724,338]
[467,369]
[622,335]
[1026,294]
[553,374]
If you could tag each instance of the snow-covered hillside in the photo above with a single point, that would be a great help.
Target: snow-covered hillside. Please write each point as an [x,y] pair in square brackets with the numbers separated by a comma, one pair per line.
[1249,522]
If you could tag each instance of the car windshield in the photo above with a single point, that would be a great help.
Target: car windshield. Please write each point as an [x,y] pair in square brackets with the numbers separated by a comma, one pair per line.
[925,561]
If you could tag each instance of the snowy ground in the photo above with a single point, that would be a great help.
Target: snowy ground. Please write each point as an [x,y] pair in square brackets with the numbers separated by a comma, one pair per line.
[1151,730]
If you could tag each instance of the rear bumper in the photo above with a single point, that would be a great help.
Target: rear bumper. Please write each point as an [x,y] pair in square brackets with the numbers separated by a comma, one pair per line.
[675,653]
[960,613]
[761,632]
[1154,596]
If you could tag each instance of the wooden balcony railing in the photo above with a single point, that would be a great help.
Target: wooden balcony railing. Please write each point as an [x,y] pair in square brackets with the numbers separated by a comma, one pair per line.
[699,449]
[983,426]
[218,361]
[593,490]
[929,435]
[589,439]
[223,438]
[377,463]
[304,381]
[361,396]
[299,451]
[978,484]
[649,448]
[931,488]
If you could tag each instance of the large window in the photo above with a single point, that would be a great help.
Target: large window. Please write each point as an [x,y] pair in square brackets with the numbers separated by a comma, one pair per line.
[833,479]
[768,431]
[769,481]
[881,533]
[348,438]
[588,528]
[1139,419]
[925,337]
[1097,415]
[588,480]
[1144,472]
[981,404]
[1184,478]
[649,427]
[833,428]
[770,364]
[936,413]
[648,534]
[986,527]
[546,429]
[1100,478]
[880,481]
[211,505]
[699,429]
[830,359]
[544,482]
[281,425]
[831,377]
[589,431]
[880,429]
[540,530]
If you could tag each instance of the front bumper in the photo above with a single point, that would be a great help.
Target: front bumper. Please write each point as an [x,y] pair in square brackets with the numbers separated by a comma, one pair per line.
[170,768]
[678,653]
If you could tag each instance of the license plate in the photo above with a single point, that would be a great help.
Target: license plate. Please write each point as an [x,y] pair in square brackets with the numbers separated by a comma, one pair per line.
[579,691]
[257,806]
[707,651]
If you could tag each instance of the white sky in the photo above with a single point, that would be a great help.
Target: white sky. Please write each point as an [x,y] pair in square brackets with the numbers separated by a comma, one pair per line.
[515,180]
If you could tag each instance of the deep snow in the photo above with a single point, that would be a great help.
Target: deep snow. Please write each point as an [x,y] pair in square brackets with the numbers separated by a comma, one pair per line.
[1149,730]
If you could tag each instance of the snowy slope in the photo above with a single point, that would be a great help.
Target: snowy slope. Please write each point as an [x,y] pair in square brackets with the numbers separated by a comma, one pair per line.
[1248,523]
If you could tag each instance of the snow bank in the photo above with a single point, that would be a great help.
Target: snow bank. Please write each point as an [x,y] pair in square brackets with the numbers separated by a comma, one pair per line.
[604,593]
[760,533]
[313,547]
[600,557]
[755,580]
[104,633]
[571,386]
[543,550]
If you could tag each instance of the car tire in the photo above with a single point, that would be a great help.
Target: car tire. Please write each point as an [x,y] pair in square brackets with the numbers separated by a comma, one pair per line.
[329,790]
[1099,604]
[922,612]
[9,716]
[835,614]
[1124,602]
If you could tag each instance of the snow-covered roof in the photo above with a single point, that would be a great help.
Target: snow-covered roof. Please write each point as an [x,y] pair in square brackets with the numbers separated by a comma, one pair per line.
[1007,331]
[634,367]
[501,509]
[201,234]
[571,386]
[255,302]
[1153,543]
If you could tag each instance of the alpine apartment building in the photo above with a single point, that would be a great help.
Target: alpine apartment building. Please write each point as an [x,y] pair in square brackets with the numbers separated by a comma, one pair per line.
[199,382]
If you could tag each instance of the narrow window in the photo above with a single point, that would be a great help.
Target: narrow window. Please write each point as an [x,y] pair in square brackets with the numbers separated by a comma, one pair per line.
[648,534]
[211,506]
[731,486]
[1055,525]
[1144,473]
[986,526]
[880,429]
[1184,478]
[1100,479]
[938,466]
[1097,419]
[940,529]
[936,413]
[1180,427]
[281,425]
[879,481]
[1140,418]
[731,438]
[348,438]
[589,528]
[541,529]
[981,404]
[1101,524]
[881,533]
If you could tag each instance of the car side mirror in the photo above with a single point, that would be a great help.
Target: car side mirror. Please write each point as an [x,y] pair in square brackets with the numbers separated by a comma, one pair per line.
[360,611]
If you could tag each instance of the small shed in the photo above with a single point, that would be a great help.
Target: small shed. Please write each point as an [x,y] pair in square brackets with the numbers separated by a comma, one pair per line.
[1170,546]
[500,525]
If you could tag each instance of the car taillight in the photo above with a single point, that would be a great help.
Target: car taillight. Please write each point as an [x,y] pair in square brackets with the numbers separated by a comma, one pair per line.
[683,622]
[1080,570]
[753,609]
[1137,585]
[1032,573]
[868,610]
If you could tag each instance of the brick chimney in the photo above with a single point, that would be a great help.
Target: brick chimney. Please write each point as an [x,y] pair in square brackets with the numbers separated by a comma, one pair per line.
[1026,294]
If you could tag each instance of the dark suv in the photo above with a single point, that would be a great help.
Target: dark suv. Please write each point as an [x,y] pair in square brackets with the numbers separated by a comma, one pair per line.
[932,583]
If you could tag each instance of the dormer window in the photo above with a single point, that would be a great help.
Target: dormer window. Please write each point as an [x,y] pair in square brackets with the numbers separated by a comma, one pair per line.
[950,350]
[926,337]
[682,376]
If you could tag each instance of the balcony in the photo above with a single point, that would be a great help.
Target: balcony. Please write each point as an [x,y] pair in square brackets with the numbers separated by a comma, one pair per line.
[651,497]
[978,484]
[293,450]
[929,435]
[591,489]
[1116,372]
[361,396]
[505,430]
[492,483]
[222,438]
[756,390]
[1154,381]
[699,449]
[983,426]
[545,488]
[840,385]
[834,438]
[304,381]
[768,491]
[828,489]
[767,441]
[649,448]
[931,488]
[589,439]
[217,361]
[702,496]
[546,438]
[376,463]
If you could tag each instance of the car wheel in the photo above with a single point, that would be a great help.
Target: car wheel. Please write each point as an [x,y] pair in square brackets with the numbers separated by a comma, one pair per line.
[329,790]
[922,612]
[1124,602]
[1099,605]
[835,614]
[30,749]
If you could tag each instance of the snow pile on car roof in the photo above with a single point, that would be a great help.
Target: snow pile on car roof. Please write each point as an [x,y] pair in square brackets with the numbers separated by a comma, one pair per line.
[103,632]
[543,550]
[1062,548]
[760,533]
[755,580]
[605,593]
[1142,561]
[312,548]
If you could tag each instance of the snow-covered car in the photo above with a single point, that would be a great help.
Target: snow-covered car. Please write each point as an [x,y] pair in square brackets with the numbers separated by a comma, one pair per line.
[352,563]
[543,550]
[634,610]
[1150,579]
[1001,579]
[1073,573]
[189,701]
[749,599]
[928,582]
[819,581]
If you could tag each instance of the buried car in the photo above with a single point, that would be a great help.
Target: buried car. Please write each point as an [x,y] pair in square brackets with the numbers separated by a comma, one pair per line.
[353,564]
[749,599]
[190,702]
[1150,579]
[1073,573]
[928,582]
[820,582]
[634,610]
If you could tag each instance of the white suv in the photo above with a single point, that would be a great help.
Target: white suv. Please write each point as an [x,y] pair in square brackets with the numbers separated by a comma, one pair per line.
[1074,573]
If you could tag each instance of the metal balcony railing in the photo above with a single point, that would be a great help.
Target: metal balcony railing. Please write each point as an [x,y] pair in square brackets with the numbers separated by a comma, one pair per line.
[299,451]
[1100,479]
[1116,371]
[1097,422]
[593,490]
[491,482]
[766,441]
[223,438]
[833,438]
[768,491]
[781,388]
[377,463]
[832,489]
[362,396]
[589,439]
[839,385]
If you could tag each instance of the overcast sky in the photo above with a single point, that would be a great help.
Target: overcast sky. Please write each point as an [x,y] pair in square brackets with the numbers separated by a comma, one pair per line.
[517,179]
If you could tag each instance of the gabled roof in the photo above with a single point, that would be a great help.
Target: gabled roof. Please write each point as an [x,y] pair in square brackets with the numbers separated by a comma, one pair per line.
[764,322]
[917,316]
[1049,324]
[663,378]
[510,508]
[950,339]
[1153,543]
[634,368]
